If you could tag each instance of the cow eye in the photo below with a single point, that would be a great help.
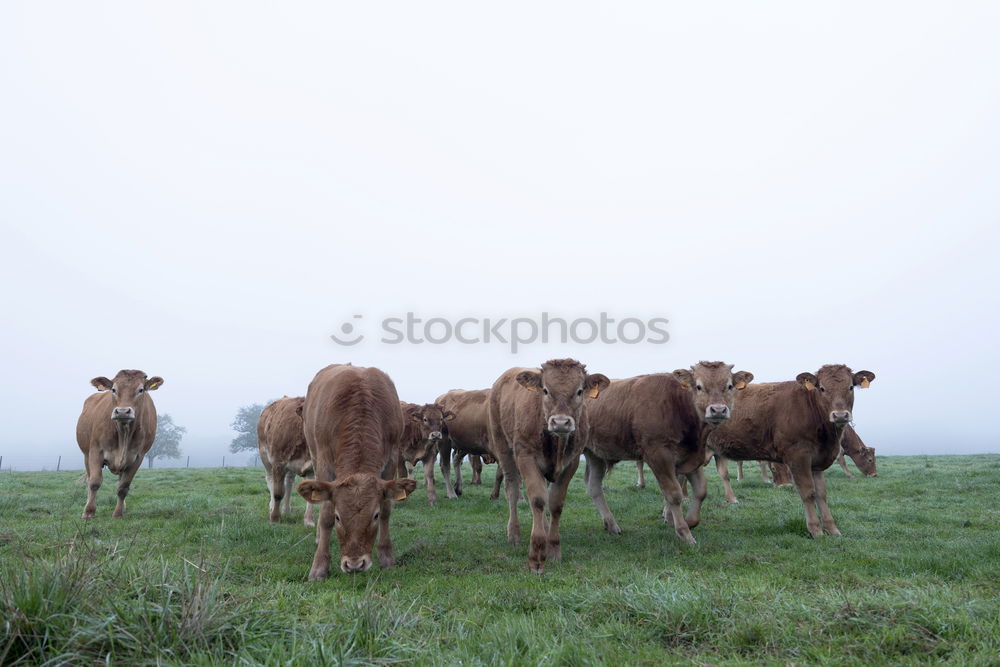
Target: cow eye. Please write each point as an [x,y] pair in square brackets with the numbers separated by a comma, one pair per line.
[375,518]
[545,391]
[336,517]
[141,389]
[822,389]
[699,387]
[579,392]
[425,420]
[114,390]
[729,387]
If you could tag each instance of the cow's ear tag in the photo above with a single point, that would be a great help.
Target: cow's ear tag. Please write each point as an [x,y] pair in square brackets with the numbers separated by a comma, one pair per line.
[865,383]
[316,497]
[809,385]
[741,385]
[594,391]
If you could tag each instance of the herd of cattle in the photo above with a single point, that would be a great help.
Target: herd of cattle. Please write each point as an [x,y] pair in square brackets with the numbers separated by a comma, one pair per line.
[354,441]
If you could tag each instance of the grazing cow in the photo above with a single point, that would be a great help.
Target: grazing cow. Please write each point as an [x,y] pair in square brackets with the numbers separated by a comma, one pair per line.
[538,429]
[281,444]
[353,423]
[863,457]
[799,423]
[468,434]
[424,428]
[780,474]
[116,429]
[662,419]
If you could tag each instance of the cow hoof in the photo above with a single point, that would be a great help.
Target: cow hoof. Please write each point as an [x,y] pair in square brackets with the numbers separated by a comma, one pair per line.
[458,492]
[89,515]
[612,528]
[317,576]
[309,523]
[387,562]
[733,502]
[689,539]
[536,568]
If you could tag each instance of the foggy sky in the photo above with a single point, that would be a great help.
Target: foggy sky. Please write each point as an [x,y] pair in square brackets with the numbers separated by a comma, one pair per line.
[206,192]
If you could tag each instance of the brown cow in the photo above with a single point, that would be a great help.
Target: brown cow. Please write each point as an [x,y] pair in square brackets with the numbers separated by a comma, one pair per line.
[116,429]
[538,429]
[799,423]
[863,457]
[662,419]
[468,434]
[424,428]
[281,444]
[353,424]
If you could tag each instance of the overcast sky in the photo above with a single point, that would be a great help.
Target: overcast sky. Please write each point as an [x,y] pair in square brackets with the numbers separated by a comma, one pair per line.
[207,191]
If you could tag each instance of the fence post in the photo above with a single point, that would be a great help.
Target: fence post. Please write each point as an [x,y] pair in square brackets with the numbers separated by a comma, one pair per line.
[1,461]
[188,463]
[223,461]
[58,463]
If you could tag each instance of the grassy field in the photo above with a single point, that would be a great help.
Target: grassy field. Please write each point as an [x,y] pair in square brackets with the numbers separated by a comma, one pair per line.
[195,574]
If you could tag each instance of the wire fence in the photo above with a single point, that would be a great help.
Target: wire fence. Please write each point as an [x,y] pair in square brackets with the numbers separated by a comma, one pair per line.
[61,463]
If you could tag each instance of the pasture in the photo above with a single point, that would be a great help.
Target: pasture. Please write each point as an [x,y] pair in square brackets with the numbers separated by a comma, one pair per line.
[195,574]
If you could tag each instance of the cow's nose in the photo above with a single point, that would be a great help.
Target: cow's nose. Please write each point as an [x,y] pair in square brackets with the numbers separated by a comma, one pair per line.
[718,411]
[840,416]
[436,435]
[561,424]
[123,413]
[352,565]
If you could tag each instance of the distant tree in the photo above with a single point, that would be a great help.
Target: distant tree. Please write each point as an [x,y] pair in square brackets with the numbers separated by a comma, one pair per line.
[167,444]
[245,424]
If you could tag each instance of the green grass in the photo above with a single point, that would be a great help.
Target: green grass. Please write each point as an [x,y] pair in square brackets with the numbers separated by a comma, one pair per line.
[196,575]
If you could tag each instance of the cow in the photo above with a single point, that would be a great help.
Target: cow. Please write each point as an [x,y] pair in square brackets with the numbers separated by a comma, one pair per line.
[281,444]
[538,427]
[424,428]
[663,420]
[116,429]
[468,434]
[353,423]
[799,423]
[863,456]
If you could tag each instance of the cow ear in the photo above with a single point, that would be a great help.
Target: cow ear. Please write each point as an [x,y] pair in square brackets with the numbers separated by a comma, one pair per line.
[101,383]
[415,415]
[685,377]
[742,378]
[315,491]
[863,378]
[530,380]
[153,383]
[449,415]
[807,380]
[298,410]
[596,383]
[398,489]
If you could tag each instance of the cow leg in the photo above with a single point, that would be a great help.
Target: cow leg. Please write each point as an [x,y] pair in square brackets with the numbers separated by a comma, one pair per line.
[535,488]
[94,463]
[843,464]
[477,469]
[662,464]
[456,460]
[512,487]
[496,482]
[308,518]
[763,471]
[597,468]
[446,455]
[739,471]
[557,498]
[640,477]
[385,558]
[429,476]
[286,507]
[699,489]
[277,486]
[321,559]
[124,483]
[722,465]
[803,479]
[819,483]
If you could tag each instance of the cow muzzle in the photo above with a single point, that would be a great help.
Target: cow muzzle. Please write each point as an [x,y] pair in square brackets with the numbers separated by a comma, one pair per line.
[840,416]
[353,565]
[123,414]
[716,414]
[561,424]
[435,436]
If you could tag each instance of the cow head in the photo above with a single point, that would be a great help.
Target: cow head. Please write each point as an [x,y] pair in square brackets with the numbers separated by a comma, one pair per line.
[431,419]
[834,387]
[563,384]
[357,501]
[713,386]
[128,394]
[865,460]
